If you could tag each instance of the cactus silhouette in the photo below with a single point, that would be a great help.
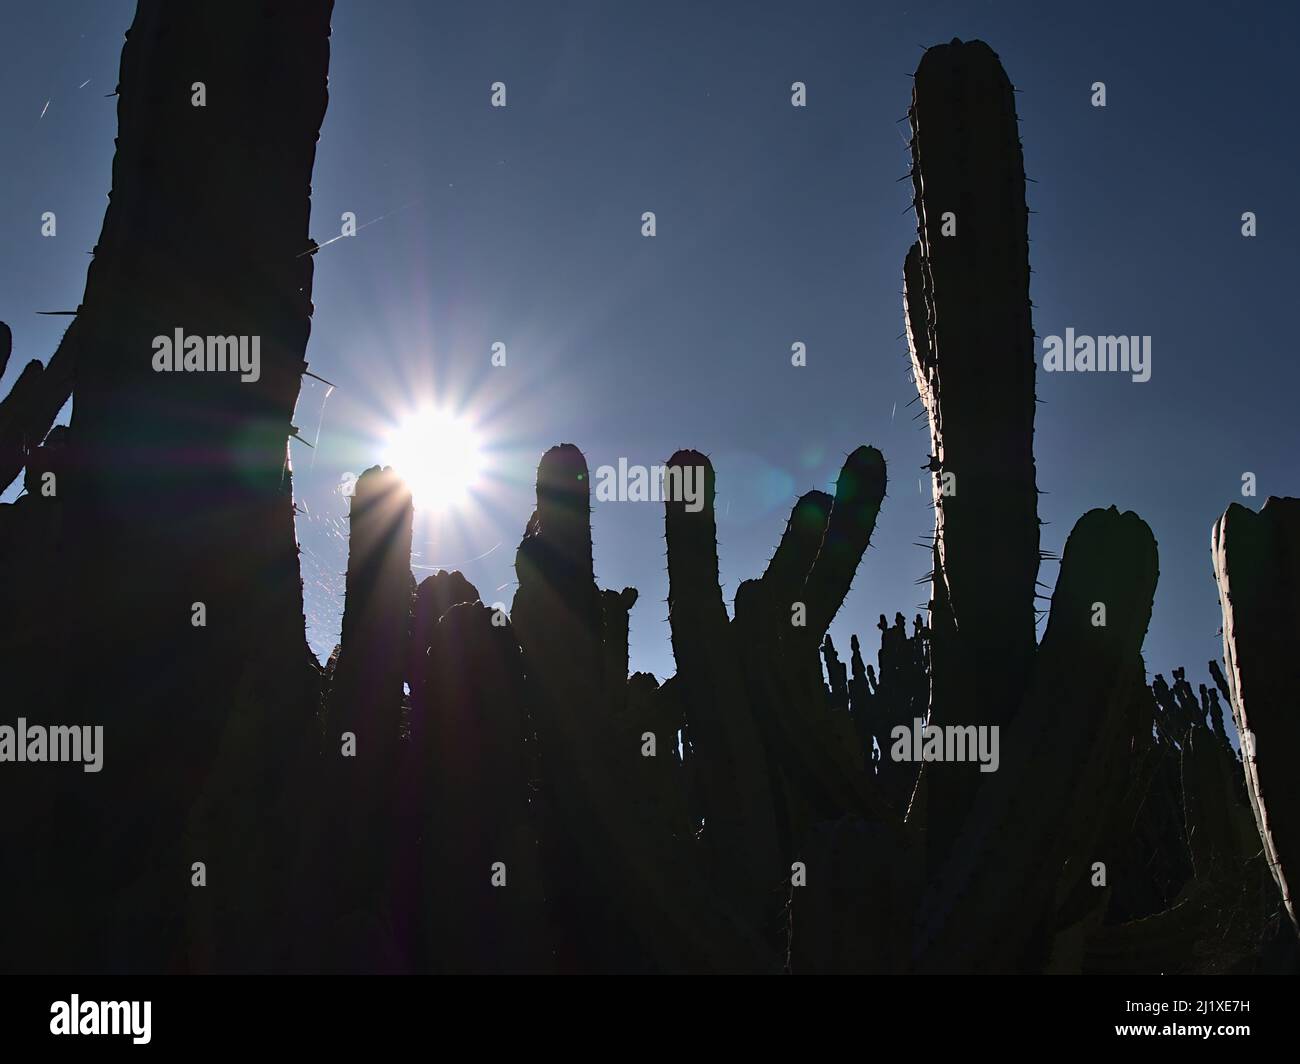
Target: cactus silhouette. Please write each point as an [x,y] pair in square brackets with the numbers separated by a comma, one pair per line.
[459,789]
[1257,567]
[968,318]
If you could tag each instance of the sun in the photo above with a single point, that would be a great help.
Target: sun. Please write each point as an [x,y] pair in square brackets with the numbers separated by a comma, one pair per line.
[439,455]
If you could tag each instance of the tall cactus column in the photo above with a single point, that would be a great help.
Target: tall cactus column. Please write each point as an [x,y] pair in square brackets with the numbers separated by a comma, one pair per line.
[365,693]
[740,826]
[185,586]
[364,703]
[556,617]
[621,895]
[182,473]
[968,312]
[1257,567]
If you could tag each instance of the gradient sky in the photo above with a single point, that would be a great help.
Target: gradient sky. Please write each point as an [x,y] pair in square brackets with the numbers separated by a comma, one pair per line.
[775,224]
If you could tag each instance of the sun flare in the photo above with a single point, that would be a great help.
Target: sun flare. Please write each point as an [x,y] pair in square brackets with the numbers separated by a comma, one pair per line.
[439,455]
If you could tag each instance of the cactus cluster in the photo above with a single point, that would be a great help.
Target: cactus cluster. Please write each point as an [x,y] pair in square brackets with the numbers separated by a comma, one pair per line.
[466,789]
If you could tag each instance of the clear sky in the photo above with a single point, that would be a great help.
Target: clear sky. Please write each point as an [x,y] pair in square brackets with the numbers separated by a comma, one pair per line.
[774,225]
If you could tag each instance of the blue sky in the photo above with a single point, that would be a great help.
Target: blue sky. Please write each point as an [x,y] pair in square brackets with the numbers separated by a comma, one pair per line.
[775,225]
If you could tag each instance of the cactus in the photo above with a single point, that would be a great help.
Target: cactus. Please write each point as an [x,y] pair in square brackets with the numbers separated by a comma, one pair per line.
[1033,814]
[168,257]
[434,596]
[736,803]
[744,815]
[18,436]
[363,701]
[466,805]
[1256,565]
[365,691]
[968,317]
[28,411]
[1071,707]
[614,609]
[176,488]
[599,858]
[895,696]
[556,618]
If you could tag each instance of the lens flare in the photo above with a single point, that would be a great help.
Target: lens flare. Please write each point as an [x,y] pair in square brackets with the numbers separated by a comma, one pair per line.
[439,455]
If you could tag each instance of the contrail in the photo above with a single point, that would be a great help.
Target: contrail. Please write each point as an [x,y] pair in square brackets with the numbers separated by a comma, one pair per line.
[395,210]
